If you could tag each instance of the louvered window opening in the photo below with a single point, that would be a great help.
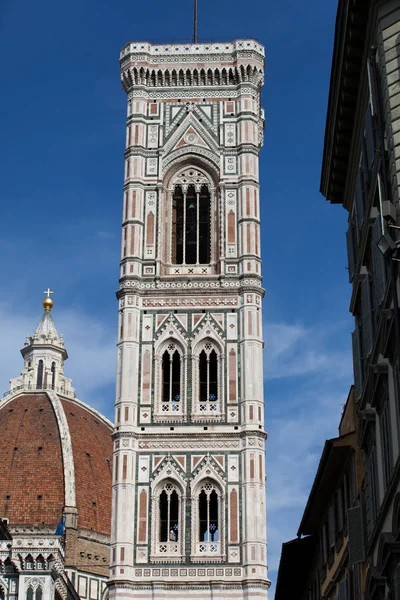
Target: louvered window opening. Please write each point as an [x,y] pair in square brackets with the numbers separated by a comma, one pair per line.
[384,422]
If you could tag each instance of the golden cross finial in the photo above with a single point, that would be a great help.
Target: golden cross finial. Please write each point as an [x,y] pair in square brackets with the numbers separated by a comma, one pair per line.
[47,302]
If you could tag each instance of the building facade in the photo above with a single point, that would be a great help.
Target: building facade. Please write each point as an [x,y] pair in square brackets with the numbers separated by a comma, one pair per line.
[189,462]
[361,171]
[55,474]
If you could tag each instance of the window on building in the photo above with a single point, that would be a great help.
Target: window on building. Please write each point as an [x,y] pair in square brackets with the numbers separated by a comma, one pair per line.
[169,514]
[191,225]
[39,594]
[384,422]
[29,593]
[208,514]
[39,380]
[208,370]
[171,376]
[53,375]
[370,488]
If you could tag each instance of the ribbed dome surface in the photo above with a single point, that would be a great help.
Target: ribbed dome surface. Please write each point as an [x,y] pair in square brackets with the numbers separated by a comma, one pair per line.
[31,463]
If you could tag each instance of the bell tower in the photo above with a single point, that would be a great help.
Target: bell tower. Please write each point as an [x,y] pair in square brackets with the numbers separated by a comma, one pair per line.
[189,513]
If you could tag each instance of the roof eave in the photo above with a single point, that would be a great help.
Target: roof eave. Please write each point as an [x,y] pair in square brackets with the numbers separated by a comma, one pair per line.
[349,45]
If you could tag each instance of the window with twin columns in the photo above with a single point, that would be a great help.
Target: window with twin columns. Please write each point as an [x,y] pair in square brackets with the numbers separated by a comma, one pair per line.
[206,369]
[207,510]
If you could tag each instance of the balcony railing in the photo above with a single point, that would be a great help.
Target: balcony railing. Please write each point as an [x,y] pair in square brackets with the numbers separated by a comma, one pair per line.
[41,388]
[208,548]
[168,548]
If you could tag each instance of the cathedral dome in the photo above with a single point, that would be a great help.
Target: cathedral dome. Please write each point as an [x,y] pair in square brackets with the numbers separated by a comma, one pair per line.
[55,457]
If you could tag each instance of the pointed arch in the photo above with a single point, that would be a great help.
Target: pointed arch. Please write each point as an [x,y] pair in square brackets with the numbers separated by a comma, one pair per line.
[168,510]
[208,510]
[217,77]
[171,367]
[167,78]
[188,77]
[207,380]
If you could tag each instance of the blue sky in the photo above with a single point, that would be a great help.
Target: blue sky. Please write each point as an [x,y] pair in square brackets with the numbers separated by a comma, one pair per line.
[62,123]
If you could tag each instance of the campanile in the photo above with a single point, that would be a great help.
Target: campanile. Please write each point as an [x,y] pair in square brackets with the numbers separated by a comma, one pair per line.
[189,515]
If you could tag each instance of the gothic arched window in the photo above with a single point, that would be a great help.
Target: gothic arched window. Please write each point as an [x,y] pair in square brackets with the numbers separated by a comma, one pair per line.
[207,520]
[169,515]
[168,510]
[29,593]
[39,380]
[191,226]
[208,515]
[171,378]
[53,375]
[208,376]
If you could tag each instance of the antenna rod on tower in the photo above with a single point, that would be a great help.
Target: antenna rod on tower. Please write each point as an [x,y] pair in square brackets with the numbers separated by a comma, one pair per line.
[195,21]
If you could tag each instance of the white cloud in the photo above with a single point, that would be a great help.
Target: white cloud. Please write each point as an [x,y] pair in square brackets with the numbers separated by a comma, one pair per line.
[308,372]
[294,350]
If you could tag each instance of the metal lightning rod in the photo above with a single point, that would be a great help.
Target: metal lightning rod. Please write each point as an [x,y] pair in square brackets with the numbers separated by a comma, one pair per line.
[195,21]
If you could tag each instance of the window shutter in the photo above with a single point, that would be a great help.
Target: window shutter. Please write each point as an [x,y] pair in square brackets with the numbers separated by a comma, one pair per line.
[366,316]
[359,202]
[351,251]
[357,363]
[356,535]
[331,525]
[385,443]
[397,584]
[369,137]
[379,268]
[342,594]
[339,508]
[370,490]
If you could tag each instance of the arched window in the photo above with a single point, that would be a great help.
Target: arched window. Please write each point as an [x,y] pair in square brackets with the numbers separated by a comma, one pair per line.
[208,515]
[169,515]
[208,379]
[29,593]
[191,226]
[39,380]
[39,594]
[169,509]
[171,379]
[207,520]
[53,375]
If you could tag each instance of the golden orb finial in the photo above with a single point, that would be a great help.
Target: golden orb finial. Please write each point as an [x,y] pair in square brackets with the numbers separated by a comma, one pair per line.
[47,302]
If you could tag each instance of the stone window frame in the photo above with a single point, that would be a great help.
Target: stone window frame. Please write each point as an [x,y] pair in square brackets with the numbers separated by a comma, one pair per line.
[167,551]
[192,175]
[163,411]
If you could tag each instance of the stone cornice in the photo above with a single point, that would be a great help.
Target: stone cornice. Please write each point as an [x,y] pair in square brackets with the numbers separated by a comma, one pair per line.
[217,51]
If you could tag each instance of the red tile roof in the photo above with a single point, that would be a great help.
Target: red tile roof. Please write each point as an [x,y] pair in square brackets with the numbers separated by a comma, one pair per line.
[31,466]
